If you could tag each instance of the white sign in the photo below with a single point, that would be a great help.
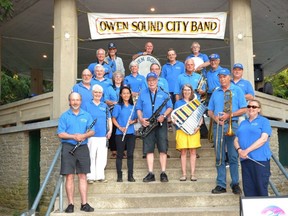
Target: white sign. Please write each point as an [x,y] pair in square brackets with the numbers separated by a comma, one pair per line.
[199,25]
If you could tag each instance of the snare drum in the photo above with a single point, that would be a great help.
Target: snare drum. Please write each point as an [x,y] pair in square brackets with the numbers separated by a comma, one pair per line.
[144,62]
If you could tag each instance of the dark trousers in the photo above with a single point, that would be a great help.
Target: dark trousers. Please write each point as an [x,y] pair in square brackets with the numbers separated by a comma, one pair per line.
[255,178]
[112,142]
[129,141]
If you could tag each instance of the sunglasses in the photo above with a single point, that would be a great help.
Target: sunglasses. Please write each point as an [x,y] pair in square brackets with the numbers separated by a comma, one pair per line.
[253,107]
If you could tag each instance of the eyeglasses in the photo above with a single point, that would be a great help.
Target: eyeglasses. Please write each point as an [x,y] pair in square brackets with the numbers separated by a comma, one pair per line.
[253,107]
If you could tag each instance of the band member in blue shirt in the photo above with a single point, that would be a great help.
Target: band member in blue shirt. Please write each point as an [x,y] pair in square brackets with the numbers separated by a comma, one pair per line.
[226,104]
[148,102]
[72,129]
[252,143]
[124,116]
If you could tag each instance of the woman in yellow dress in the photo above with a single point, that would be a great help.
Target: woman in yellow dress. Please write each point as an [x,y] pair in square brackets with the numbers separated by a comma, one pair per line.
[185,142]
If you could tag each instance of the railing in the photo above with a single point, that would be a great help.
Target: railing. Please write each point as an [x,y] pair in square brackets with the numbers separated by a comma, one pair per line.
[58,188]
[284,172]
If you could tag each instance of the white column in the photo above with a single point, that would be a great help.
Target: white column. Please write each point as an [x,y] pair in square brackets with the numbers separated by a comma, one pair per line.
[241,40]
[65,53]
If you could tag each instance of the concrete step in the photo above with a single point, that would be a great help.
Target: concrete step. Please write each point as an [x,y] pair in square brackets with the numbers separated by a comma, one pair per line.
[193,211]
[156,199]
[173,173]
[171,163]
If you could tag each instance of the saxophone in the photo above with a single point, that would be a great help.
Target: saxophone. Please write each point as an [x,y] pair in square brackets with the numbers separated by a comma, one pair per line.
[144,131]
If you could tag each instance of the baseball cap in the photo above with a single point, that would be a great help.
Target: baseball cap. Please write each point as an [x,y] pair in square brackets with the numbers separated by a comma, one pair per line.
[238,65]
[214,56]
[151,74]
[224,71]
[111,45]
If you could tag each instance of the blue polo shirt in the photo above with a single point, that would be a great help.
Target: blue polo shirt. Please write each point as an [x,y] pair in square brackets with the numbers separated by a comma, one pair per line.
[171,72]
[85,93]
[100,113]
[144,102]
[204,57]
[134,83]
[161,83]
[185,78]
[109,94]
[216,102]
[107,69]
[245,85]
[248,132]
[213,79]
[73,124]
[122,113]
[104,83]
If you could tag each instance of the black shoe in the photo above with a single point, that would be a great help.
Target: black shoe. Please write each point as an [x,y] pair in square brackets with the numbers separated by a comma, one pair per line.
[70,208]
[144,156]
[119,180]
[236,189]
[86,207]
[197,155]
[149,177]
[131,178]
[218,190]
[163,177]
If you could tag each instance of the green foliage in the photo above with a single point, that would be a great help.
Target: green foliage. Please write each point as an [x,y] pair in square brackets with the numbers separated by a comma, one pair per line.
[280,83]
[6,9]
[13,88]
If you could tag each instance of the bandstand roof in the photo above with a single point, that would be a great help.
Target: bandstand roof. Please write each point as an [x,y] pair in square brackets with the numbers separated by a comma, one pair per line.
[29,34]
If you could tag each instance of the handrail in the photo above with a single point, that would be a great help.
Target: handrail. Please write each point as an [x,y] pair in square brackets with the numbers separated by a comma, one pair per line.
[32,211]
[282,169]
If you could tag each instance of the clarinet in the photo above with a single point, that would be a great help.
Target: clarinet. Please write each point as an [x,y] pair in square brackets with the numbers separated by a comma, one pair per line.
[144,131]
[72,152]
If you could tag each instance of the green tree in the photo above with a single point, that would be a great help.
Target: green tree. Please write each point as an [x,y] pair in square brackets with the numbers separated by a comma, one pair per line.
[6,9]
[279,82]
[14,87]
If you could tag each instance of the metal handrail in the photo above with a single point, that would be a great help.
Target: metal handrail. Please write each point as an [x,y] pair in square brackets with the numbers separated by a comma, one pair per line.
[32,211]
[282,169]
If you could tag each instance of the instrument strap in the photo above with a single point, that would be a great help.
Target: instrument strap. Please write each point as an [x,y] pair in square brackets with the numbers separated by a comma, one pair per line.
[153,100]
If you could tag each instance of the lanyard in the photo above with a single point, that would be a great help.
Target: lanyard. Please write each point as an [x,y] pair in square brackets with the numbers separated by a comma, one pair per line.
[153,101]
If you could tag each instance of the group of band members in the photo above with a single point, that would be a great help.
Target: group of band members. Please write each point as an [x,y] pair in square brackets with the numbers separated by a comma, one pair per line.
[124,99]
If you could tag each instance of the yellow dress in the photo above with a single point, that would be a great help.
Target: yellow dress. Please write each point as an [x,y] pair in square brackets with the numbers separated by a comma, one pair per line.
[185,141]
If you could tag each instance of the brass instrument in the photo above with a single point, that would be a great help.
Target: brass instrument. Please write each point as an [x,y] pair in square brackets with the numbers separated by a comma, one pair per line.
[201,83]
[227,109]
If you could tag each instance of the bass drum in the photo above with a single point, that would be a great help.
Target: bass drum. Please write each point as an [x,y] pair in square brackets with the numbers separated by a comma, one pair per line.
[197,61]
[144,62]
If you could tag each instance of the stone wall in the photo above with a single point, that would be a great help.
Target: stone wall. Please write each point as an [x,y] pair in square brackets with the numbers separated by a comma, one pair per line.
[49,145]
[14,151]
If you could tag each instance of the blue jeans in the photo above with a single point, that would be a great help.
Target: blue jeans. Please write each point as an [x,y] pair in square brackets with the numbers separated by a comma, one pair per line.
[220,149]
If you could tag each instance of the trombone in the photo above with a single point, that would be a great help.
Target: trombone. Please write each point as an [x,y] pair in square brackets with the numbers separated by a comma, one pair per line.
[227,109]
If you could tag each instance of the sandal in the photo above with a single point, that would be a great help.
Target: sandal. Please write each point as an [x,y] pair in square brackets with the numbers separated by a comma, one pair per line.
[183,178]
[113,156]
[193,178]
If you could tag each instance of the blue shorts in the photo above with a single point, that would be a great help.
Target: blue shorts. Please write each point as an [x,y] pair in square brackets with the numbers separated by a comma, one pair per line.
[158,136]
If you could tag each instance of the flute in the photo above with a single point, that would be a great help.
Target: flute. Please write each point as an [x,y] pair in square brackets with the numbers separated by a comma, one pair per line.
[127,124]
[72,152]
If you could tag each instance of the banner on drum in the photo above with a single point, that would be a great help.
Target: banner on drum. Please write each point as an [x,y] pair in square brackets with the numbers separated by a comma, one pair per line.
[199,25]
